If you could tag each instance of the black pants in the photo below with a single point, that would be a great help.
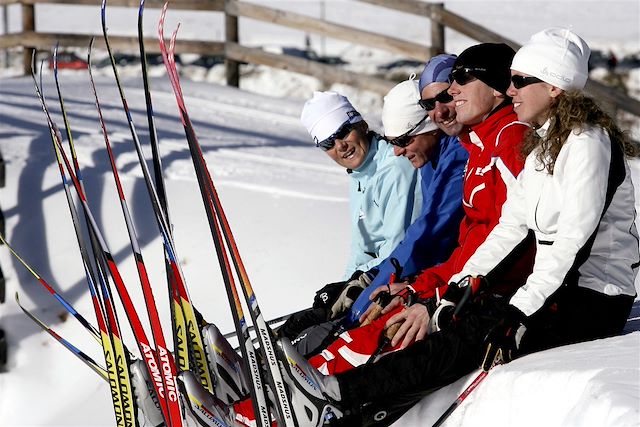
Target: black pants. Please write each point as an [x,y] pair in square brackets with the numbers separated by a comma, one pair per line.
[380,393]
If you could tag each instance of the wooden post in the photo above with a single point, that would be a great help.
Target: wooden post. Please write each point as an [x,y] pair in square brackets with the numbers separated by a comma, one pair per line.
[437,30]
[28,25]
[5,27]
[231,36]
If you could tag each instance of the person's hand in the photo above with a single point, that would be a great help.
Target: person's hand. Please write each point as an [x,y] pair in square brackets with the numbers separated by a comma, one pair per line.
[350,292]
[414,325]
[503,341]
[375,310]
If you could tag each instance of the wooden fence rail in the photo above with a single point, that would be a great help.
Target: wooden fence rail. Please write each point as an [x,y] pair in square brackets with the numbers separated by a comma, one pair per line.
[304,66]
[324,28]
[234,53]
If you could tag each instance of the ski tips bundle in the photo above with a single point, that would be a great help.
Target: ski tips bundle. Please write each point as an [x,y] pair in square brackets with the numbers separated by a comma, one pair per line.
[203,376]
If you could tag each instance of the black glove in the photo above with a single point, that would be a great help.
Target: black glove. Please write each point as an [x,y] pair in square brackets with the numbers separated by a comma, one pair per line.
[503,341]
[332,293]
[328,295]
[300,321]
[464,290]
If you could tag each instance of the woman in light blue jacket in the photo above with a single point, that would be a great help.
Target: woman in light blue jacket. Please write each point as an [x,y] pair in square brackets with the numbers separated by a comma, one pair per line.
[385,195]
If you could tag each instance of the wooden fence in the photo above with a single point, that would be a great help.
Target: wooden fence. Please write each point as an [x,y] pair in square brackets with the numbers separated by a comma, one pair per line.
[234,52]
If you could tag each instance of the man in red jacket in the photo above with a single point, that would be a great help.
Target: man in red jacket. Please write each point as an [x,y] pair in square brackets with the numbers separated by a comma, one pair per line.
[479,80]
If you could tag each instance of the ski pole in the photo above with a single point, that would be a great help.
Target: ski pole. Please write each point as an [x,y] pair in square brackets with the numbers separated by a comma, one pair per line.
[383,299]
[481,376]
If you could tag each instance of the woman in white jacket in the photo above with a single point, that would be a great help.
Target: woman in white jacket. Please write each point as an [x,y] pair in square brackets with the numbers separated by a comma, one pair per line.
[575,194]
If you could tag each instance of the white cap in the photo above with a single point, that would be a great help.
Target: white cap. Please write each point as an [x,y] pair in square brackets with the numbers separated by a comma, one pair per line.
[325,113]
[557,56]
[401,111]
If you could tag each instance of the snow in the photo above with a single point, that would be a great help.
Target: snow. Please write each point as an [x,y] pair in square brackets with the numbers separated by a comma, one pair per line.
[287,205]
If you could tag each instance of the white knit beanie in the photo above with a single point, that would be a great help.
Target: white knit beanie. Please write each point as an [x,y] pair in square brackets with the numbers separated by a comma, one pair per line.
[401,111]
[557,56]
[325,113]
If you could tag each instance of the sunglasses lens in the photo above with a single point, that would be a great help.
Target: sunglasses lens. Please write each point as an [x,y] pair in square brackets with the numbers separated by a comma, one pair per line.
[428,104]
[327,145]
[463,78]
[521,81]
[401,141]
[330,142]
[344,132]
[444,97]
[518,82]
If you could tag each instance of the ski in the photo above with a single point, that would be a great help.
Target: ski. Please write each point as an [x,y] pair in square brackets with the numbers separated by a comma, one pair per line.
[67,306]
[189,343]
[87,360]
[252,366]
[153,134]
[115,355]
[215,215]
[100,273]
[164,384]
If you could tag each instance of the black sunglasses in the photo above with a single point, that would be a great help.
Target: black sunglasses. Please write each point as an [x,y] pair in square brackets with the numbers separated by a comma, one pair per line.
[521,81]
[430,103]
[464,75]
[405,139]
[341,133]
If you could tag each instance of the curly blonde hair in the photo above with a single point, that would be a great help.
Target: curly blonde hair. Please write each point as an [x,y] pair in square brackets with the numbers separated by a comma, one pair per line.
[572,112]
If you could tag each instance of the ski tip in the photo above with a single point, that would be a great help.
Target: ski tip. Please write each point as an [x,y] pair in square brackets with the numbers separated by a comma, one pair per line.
[33,63]
[141,7]
[55,59]
[89,50]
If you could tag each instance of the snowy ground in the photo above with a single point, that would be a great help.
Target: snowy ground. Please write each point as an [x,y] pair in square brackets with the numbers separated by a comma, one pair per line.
[286,202]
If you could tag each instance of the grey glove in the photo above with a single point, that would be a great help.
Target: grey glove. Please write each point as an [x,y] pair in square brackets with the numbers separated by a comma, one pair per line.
[349,294]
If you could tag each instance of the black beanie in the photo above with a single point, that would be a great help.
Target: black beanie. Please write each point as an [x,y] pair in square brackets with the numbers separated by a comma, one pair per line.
[495,58]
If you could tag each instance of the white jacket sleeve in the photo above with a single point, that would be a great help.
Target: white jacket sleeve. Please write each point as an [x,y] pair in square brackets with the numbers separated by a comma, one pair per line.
[582,172]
